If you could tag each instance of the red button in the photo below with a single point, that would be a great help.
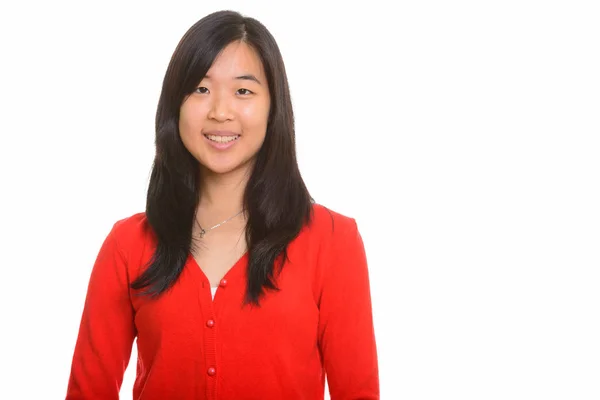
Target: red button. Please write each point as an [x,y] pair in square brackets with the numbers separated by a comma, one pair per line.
[210,323]
[211,371]
[223,282]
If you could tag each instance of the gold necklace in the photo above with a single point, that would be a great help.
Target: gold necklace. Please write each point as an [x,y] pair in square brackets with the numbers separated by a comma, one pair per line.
[205,231]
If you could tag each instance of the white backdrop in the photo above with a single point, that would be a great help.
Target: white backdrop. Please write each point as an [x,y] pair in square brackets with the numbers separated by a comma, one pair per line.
[462,136]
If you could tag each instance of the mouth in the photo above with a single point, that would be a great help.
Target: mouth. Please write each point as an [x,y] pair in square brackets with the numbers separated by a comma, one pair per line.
[222,138]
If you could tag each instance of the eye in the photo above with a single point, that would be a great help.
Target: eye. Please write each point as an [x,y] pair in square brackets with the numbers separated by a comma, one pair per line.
[245,91]
[201,90]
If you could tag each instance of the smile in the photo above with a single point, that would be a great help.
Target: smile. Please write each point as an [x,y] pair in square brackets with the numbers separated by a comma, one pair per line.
[222,139]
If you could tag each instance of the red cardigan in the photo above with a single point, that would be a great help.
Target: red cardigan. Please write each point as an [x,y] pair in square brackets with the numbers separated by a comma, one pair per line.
[193,347]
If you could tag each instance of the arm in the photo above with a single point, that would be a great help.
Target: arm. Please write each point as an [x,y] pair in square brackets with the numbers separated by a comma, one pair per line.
[107,329]
[346,333]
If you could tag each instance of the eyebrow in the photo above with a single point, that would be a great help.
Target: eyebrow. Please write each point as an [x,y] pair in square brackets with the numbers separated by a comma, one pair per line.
[247,77]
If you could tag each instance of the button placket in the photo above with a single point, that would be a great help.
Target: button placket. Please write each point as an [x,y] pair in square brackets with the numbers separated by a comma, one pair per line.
[209,329]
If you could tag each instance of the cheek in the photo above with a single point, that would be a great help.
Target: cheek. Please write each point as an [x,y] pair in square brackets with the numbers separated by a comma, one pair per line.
[190,118]
[255,115]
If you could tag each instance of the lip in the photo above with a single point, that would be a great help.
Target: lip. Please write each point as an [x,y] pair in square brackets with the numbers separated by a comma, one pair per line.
[221,146]
[221,133]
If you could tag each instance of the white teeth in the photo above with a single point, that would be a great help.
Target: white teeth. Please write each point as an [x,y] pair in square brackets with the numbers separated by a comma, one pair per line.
[222,139]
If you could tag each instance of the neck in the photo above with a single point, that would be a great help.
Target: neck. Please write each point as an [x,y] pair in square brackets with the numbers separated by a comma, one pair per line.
[221,195]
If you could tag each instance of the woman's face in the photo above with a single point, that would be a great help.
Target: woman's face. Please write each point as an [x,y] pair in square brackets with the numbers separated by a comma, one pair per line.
[223,123]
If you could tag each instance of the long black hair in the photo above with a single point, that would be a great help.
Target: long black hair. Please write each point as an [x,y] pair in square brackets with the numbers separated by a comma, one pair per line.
[276,200]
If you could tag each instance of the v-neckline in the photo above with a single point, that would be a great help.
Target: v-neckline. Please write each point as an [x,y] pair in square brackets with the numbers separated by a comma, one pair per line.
[229,275]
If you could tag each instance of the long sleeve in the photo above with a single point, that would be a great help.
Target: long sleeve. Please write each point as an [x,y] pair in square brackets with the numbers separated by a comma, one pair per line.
[107,329]
[346,332]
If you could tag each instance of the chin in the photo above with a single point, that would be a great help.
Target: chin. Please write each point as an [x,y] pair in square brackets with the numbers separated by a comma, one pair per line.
[222,169]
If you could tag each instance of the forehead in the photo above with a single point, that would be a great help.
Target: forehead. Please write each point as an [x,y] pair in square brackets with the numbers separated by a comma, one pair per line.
[236,59]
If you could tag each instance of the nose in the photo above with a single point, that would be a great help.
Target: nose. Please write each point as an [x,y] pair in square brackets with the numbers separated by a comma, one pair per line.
[220,109]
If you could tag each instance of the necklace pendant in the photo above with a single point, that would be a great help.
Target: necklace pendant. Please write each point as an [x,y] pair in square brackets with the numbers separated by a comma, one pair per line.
[202,233]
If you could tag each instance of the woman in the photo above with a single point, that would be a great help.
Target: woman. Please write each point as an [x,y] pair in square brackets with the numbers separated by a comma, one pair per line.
[235,283]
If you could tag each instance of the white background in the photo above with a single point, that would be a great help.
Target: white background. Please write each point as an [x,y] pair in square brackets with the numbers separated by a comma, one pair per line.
[463,137]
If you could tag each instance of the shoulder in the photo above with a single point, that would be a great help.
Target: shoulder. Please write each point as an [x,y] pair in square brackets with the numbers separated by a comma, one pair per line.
[131,230]
[331,224]
[340,254]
